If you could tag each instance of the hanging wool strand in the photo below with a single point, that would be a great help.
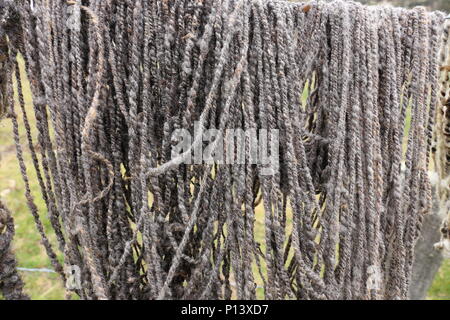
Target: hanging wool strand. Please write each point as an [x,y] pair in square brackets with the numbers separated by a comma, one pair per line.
[348,91]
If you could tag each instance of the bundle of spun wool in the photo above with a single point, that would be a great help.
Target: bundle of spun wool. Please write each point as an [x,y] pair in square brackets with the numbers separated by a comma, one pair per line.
[346,87]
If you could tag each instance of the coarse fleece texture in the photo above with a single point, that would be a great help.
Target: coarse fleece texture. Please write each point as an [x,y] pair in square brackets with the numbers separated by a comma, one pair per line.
[345,85]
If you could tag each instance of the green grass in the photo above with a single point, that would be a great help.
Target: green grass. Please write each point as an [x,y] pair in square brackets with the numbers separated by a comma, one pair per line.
[440,290]
[30,253]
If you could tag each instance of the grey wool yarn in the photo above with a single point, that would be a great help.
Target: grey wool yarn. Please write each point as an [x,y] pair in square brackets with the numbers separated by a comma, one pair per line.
[11,285]
[351,89]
